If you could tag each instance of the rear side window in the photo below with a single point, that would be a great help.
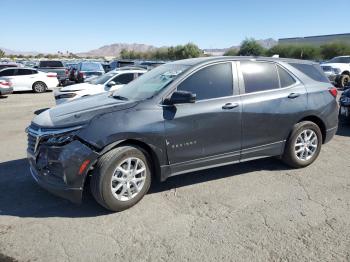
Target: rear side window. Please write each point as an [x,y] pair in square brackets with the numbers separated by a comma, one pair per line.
[313,71]
[8,72]
[285,78]
[44,64]
[259,76]
[23,72]
[210,82]
[124,79]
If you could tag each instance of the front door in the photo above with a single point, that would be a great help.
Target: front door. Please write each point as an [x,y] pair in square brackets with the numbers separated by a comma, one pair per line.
[207,132]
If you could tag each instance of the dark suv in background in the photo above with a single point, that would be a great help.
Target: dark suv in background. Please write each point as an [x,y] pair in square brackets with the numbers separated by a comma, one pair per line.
[182,117]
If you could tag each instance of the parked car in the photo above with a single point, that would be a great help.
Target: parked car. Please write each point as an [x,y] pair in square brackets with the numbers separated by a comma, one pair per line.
[104,83]
[25,79]
[344,103]
[54,66]
[6,65]
[341,68]
[5,86]
[121,63]
[332,74]
[181,117]
[87,69]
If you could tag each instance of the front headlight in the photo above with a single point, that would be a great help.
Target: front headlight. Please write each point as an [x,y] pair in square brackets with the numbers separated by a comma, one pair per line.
[337,71]
[60,139]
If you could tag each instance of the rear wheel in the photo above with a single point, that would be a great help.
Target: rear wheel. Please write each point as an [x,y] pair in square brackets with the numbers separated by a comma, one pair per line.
[303,146]
[39,87]
[121,178]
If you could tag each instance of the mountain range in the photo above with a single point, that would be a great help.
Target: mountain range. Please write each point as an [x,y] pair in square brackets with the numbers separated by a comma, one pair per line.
[114,50]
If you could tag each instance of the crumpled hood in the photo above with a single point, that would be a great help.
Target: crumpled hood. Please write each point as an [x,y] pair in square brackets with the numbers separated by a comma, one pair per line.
[80,111]
[78,87]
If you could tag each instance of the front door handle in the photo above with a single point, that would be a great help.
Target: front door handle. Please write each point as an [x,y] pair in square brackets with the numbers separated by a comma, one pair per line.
[293,95]
[229,106]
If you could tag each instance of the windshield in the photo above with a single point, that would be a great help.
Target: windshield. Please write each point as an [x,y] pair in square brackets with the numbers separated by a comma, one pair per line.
[103,78]
[91,67]
[343,60]
[151,82]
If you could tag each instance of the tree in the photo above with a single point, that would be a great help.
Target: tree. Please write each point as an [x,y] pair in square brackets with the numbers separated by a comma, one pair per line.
[2,53]
[331,50]
[231,52]
[250,47]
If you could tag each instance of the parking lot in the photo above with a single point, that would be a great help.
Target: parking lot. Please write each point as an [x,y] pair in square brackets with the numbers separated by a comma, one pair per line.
[259,210]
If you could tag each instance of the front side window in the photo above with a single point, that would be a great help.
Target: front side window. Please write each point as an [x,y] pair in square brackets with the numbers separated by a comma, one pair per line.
[210,82]
[8,72]
[123,79]
[259,76]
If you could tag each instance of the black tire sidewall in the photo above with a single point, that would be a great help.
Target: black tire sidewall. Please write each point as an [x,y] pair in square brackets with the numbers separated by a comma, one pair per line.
[105,183]
[289,156]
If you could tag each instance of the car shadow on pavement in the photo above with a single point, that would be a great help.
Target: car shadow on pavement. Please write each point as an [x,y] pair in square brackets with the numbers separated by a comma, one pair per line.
[22,197]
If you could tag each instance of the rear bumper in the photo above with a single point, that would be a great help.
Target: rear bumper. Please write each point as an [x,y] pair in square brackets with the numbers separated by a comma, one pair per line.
[6,91]
[330,133]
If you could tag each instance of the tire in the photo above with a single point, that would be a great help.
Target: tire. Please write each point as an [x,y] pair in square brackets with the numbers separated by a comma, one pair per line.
[344,81]
[39,87]
[105,191]
[290,155]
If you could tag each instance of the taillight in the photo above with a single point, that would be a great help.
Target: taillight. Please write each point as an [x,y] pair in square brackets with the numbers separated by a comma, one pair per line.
[333,91]
[6,83]
[51,75]
[67,72]
[81,74]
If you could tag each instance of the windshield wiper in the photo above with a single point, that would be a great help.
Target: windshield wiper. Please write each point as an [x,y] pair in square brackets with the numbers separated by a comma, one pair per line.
[120,97]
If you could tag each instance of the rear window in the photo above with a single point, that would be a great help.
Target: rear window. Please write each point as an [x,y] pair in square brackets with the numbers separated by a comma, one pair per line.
[50,64]
[91,67]
[313,71]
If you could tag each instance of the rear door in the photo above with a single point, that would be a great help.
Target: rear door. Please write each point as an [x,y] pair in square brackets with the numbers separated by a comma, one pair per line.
[207,132]
[25,78]
[271,105]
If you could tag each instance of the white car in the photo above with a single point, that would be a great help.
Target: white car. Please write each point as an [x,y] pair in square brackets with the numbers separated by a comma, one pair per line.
[341,67]
[29,79]
[104,83]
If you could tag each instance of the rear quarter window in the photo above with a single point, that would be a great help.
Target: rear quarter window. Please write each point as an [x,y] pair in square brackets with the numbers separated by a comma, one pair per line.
[285,78]
[311,70]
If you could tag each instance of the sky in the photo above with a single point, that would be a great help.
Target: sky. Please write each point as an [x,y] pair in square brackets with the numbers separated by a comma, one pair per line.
[79,26]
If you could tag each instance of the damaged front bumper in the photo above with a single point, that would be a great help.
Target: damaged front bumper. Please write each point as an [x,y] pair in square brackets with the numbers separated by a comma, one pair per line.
[62,169]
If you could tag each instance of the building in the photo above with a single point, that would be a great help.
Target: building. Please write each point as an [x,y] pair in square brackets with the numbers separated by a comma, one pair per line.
[316,40]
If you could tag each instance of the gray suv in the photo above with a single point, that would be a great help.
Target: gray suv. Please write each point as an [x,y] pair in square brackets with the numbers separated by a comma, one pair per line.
[182,117]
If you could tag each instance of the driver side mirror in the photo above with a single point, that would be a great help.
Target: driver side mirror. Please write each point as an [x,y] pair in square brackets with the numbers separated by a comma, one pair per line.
[180,97]
[112,83]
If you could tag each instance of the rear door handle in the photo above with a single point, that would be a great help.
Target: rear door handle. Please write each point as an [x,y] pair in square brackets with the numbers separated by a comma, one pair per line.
[293,95]
[229,106]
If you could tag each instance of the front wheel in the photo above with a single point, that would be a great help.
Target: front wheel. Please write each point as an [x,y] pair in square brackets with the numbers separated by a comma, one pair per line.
[303,145]
[121,178]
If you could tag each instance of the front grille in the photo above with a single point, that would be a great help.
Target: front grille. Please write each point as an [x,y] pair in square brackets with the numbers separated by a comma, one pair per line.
[31,142]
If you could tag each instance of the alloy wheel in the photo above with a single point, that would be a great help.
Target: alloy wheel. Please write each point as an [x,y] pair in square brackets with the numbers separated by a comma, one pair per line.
[128,179]
[306,145]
